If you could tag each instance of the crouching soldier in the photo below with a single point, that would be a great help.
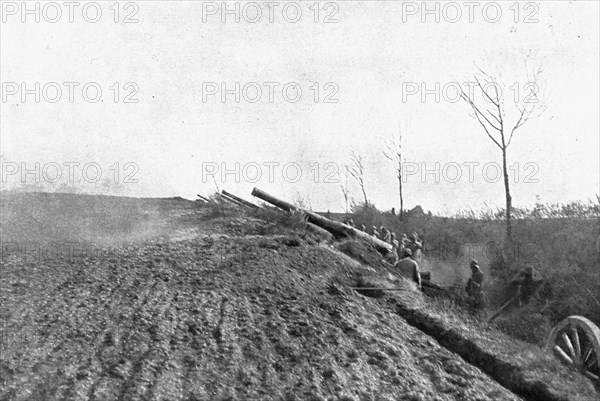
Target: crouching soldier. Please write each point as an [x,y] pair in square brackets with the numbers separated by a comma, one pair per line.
[408,267]
[475,286]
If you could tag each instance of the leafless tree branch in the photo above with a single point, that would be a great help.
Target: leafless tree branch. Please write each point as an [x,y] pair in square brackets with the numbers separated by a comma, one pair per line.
[356,170]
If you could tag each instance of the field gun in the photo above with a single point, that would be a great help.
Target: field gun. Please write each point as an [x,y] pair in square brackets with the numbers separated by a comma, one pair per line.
[239,200]
[337,229]
[230,200]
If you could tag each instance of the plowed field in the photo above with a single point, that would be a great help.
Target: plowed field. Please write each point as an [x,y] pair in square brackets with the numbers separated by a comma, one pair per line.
[211,308]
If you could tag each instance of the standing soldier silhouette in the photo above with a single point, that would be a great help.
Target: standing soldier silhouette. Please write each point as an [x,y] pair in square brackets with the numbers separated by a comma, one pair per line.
[415,245]
[475,286]
[384,234]
[392,256]
[526,284]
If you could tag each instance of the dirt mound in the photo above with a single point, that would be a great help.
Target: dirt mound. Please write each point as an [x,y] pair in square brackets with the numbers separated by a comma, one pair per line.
[212,312]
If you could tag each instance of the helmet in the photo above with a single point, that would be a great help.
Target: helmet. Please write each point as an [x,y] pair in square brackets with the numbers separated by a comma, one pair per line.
[407,252]
[528,270]
[474,263]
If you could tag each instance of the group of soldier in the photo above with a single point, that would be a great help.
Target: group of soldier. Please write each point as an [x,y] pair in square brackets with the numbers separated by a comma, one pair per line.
[413,242]
[525,284]
[406,254]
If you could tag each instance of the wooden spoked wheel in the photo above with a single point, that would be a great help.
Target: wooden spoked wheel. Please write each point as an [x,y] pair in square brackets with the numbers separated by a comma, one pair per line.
[576,342]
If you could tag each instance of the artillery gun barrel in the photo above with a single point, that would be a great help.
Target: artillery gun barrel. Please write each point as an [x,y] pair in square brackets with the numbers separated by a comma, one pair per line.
[202,198]
[336,228]
[240,200]
[227,198]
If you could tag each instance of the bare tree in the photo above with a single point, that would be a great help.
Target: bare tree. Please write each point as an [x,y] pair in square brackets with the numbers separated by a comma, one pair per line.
[357,171]
[491,114]
[393,151]
[344,187]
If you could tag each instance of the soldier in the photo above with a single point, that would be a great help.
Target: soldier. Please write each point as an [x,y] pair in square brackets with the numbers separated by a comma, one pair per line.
[415,245]
[392,257]
[351,223]
[526,284]
[363,228]
[408,267]
[374,232]
[475,286]
[402,246]
[384,234]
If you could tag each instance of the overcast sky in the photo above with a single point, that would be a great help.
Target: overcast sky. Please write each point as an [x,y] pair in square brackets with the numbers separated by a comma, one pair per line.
[361,77]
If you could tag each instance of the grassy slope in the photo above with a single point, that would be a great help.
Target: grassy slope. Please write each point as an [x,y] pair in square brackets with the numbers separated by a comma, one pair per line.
[564,251]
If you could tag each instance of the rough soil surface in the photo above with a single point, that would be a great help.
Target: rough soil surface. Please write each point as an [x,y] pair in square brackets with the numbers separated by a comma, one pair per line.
[216,307]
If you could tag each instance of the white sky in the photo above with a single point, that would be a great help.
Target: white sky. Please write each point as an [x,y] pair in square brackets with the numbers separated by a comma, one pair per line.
[371,54]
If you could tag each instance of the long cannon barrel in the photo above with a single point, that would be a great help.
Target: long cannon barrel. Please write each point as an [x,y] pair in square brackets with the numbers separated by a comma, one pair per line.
[228,199]
[334,227]
[288,207]
[243,201]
